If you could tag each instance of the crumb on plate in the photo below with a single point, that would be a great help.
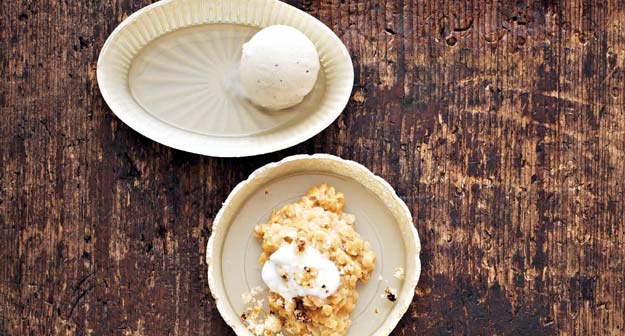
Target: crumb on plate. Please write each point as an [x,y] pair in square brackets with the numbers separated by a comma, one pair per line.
[399,273]
[391,294]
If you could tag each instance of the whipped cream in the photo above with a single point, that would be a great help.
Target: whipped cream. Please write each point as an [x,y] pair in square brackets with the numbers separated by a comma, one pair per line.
[292,272]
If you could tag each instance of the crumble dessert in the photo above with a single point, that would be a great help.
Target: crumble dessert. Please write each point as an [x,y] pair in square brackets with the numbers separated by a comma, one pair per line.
[312,261]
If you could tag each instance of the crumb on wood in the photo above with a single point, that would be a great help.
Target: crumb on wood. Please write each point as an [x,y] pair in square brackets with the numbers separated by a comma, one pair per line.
[359,97]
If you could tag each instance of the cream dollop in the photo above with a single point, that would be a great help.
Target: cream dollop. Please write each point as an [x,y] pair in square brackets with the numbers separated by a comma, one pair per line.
[288,267]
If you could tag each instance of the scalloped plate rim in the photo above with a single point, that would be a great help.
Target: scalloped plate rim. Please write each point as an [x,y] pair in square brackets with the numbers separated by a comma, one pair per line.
[412,279]
[240,151]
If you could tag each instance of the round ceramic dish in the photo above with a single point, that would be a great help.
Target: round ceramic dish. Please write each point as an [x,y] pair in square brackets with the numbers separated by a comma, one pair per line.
[169,71]
[382,218]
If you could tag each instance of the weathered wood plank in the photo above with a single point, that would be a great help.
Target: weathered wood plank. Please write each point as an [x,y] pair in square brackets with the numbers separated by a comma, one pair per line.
[501,124]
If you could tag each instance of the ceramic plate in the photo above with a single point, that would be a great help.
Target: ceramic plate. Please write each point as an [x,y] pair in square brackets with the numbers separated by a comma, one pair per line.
[382,218]
[169,71]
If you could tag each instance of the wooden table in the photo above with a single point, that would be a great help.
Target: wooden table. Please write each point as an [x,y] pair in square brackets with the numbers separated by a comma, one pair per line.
[501,125]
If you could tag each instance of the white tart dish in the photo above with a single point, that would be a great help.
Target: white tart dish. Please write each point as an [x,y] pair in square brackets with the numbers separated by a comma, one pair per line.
[382,218]
[169,71]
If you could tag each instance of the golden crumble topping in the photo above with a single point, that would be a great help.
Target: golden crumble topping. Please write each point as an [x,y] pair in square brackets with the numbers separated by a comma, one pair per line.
[317,219]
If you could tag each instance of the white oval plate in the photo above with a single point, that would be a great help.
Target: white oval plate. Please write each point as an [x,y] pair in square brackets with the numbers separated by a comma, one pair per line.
[382,218]
[169,71]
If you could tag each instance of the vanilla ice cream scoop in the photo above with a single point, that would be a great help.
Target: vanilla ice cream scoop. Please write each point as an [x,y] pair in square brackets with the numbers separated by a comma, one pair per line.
[279,67]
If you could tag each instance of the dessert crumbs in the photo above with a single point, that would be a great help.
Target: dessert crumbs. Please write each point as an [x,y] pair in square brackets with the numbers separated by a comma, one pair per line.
[399,273]
[391,294]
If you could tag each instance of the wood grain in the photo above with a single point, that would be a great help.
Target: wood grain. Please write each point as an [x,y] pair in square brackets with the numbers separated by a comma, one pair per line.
[501,124]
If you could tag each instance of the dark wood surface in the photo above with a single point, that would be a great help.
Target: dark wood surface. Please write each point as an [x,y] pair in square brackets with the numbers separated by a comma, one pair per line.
[501,124]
